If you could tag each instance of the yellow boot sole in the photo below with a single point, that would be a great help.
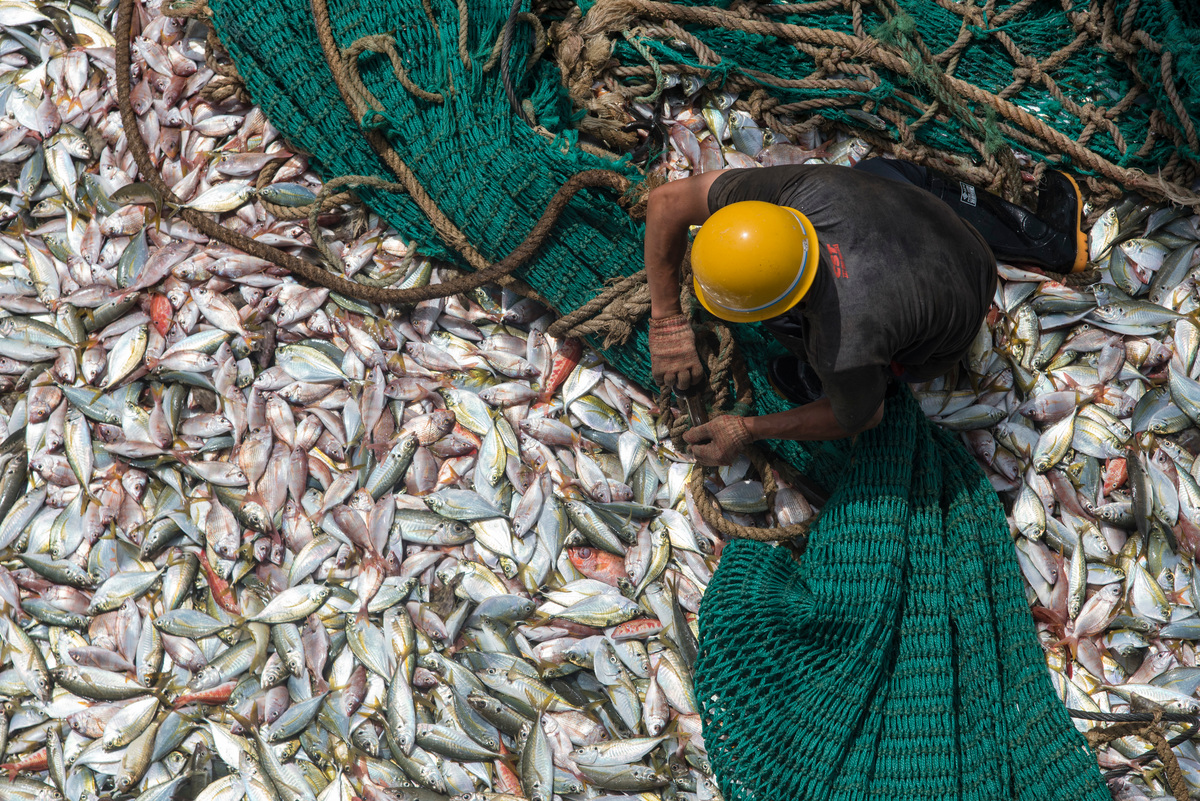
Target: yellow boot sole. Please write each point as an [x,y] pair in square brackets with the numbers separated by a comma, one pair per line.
[1081,239]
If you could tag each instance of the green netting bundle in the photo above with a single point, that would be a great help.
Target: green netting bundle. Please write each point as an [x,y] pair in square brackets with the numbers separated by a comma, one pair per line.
[896,659]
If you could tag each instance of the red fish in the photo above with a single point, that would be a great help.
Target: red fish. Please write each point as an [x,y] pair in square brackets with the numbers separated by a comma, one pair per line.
[221,591]
[597,564]
[160,313]
[214,696]
[37,761]
[637,629]
[1115,474]
[566,357]
[507,780]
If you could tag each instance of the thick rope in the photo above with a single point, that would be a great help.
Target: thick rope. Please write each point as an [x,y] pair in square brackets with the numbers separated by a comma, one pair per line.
[584,50]
[267,173]
[382,43]
[710,509]
[611,314]
[506,81]
[1152,731]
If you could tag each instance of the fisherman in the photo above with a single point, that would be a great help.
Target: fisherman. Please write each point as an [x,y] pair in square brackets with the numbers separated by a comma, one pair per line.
[868,276]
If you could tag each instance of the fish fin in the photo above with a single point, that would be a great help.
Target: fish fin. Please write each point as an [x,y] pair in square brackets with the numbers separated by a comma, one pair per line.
[247,723]
[191,717]
[161,689]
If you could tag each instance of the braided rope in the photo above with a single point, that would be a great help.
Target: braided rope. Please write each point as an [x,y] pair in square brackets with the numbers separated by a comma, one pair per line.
[710,509]
[584,45]
[1136,725]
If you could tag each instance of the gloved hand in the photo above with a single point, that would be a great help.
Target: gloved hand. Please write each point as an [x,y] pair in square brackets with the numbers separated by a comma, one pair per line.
[719,441]
[674,362]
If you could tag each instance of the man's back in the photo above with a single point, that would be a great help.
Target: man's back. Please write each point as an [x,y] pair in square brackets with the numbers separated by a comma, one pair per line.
[903,278]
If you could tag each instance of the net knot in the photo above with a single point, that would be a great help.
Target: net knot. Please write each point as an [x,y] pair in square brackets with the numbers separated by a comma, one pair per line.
[377,121]
[882,91]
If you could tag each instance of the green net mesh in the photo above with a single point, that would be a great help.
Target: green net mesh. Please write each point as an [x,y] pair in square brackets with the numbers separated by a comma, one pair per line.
[896,658]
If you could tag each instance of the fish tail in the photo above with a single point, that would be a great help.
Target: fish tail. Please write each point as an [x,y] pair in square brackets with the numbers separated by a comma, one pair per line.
[161,692]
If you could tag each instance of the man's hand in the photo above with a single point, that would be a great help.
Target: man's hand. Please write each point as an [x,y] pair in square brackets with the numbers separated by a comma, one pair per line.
[718,441]
[674,362]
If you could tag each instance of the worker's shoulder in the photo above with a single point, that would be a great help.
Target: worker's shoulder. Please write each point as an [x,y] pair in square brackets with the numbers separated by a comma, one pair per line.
[774,184]
[812,179]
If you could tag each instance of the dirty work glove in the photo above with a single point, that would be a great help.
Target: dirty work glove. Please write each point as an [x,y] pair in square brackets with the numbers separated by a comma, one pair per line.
[674,362]
[719,441]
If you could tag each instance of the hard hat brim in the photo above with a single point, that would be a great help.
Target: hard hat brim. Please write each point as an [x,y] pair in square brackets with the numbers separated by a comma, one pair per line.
[779,307]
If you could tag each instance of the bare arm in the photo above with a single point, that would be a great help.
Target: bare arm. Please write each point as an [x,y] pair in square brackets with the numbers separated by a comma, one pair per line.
[813,421]
[670,210]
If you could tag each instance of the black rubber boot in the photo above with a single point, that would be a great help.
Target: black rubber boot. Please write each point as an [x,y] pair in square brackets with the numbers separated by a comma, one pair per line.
[1060,204]
[794,380]
[1050,240]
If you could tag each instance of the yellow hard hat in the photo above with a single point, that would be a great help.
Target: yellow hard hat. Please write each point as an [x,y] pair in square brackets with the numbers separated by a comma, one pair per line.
[753,260]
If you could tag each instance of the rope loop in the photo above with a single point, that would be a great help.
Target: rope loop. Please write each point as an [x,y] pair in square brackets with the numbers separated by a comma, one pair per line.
[710,509]
[1137,725]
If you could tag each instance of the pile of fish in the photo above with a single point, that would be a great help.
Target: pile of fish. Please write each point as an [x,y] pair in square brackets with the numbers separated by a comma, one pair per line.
[259,539]
[1082,403]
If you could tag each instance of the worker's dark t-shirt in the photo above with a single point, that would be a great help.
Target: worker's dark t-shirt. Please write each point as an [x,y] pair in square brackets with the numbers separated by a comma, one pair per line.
[902,278]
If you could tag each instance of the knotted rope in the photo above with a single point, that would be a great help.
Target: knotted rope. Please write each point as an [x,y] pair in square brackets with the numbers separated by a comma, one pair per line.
[1149,727]
[848,71]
